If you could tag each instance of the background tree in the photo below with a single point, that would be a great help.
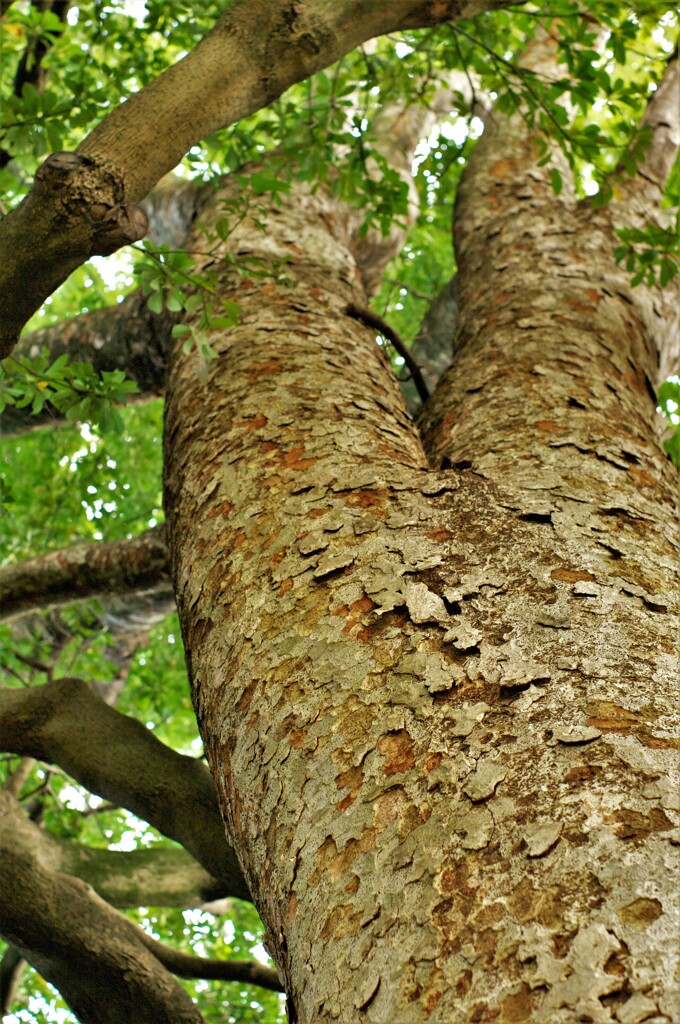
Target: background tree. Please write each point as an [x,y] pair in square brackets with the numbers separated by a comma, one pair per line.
[432,666]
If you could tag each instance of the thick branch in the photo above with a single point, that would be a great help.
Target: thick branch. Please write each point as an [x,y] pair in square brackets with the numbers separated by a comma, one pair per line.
[83,204]
[11,967]
[127,336]
[94,955]
[156,877]
[662,117]
[117,758]
[83,571]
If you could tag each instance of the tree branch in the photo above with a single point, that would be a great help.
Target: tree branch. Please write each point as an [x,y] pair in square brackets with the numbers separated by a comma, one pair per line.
[86,570]
[371,319]
[160,876]
[117,758]
[84,203]
[30,69]
[185,966]
[433,346]
[11,967]
[127,336]
[662,117]
[95,956]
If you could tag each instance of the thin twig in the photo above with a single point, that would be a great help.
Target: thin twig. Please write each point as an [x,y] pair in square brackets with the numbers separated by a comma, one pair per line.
[370,319]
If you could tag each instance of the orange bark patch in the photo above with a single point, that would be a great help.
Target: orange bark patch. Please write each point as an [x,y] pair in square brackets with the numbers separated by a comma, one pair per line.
[264,368]
[432,761]
[607,716]
[292,460]
[277,558]
[296,738]
[594,294]
[432,1001]
[636,825]
[336,862]
[342,921]
[292,907]
[502,169]
[392,453]
[252,423]
[246,697]
[516,1007]
[397,749]
[269,446]
[547,426]
[351,779]
[501,299]
[440,535]
[223,509]
[580,307]
[541,905]
[582,772]
[364,499]
[645,479]
[285,586]
[571,575]
[354,612]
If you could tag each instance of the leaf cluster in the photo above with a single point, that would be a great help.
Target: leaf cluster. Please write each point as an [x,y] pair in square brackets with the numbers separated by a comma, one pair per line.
[74,389]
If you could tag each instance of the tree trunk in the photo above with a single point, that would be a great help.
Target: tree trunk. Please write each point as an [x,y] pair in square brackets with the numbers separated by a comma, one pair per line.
[435,700]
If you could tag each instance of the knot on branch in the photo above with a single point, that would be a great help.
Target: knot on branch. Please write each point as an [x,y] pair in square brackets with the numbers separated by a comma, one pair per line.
[58,170]
[116,226]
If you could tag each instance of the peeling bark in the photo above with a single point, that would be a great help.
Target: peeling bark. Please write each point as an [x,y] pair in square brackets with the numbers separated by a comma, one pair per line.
[437,701]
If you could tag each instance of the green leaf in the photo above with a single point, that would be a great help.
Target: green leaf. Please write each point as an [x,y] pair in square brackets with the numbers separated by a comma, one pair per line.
[155,302]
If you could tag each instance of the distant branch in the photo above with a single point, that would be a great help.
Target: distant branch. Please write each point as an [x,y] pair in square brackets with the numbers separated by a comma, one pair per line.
[96,957]
[30,70]
[662,117]
[86,570]
[117,758]
[185,966]
[11,965]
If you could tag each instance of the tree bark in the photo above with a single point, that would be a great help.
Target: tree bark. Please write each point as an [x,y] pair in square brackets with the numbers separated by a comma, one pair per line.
[436,701]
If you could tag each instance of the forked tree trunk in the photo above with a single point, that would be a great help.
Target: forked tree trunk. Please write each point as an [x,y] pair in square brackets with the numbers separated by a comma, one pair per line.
[436,700]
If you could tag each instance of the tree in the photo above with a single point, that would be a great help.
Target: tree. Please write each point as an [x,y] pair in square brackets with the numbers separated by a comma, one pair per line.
[430,655]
